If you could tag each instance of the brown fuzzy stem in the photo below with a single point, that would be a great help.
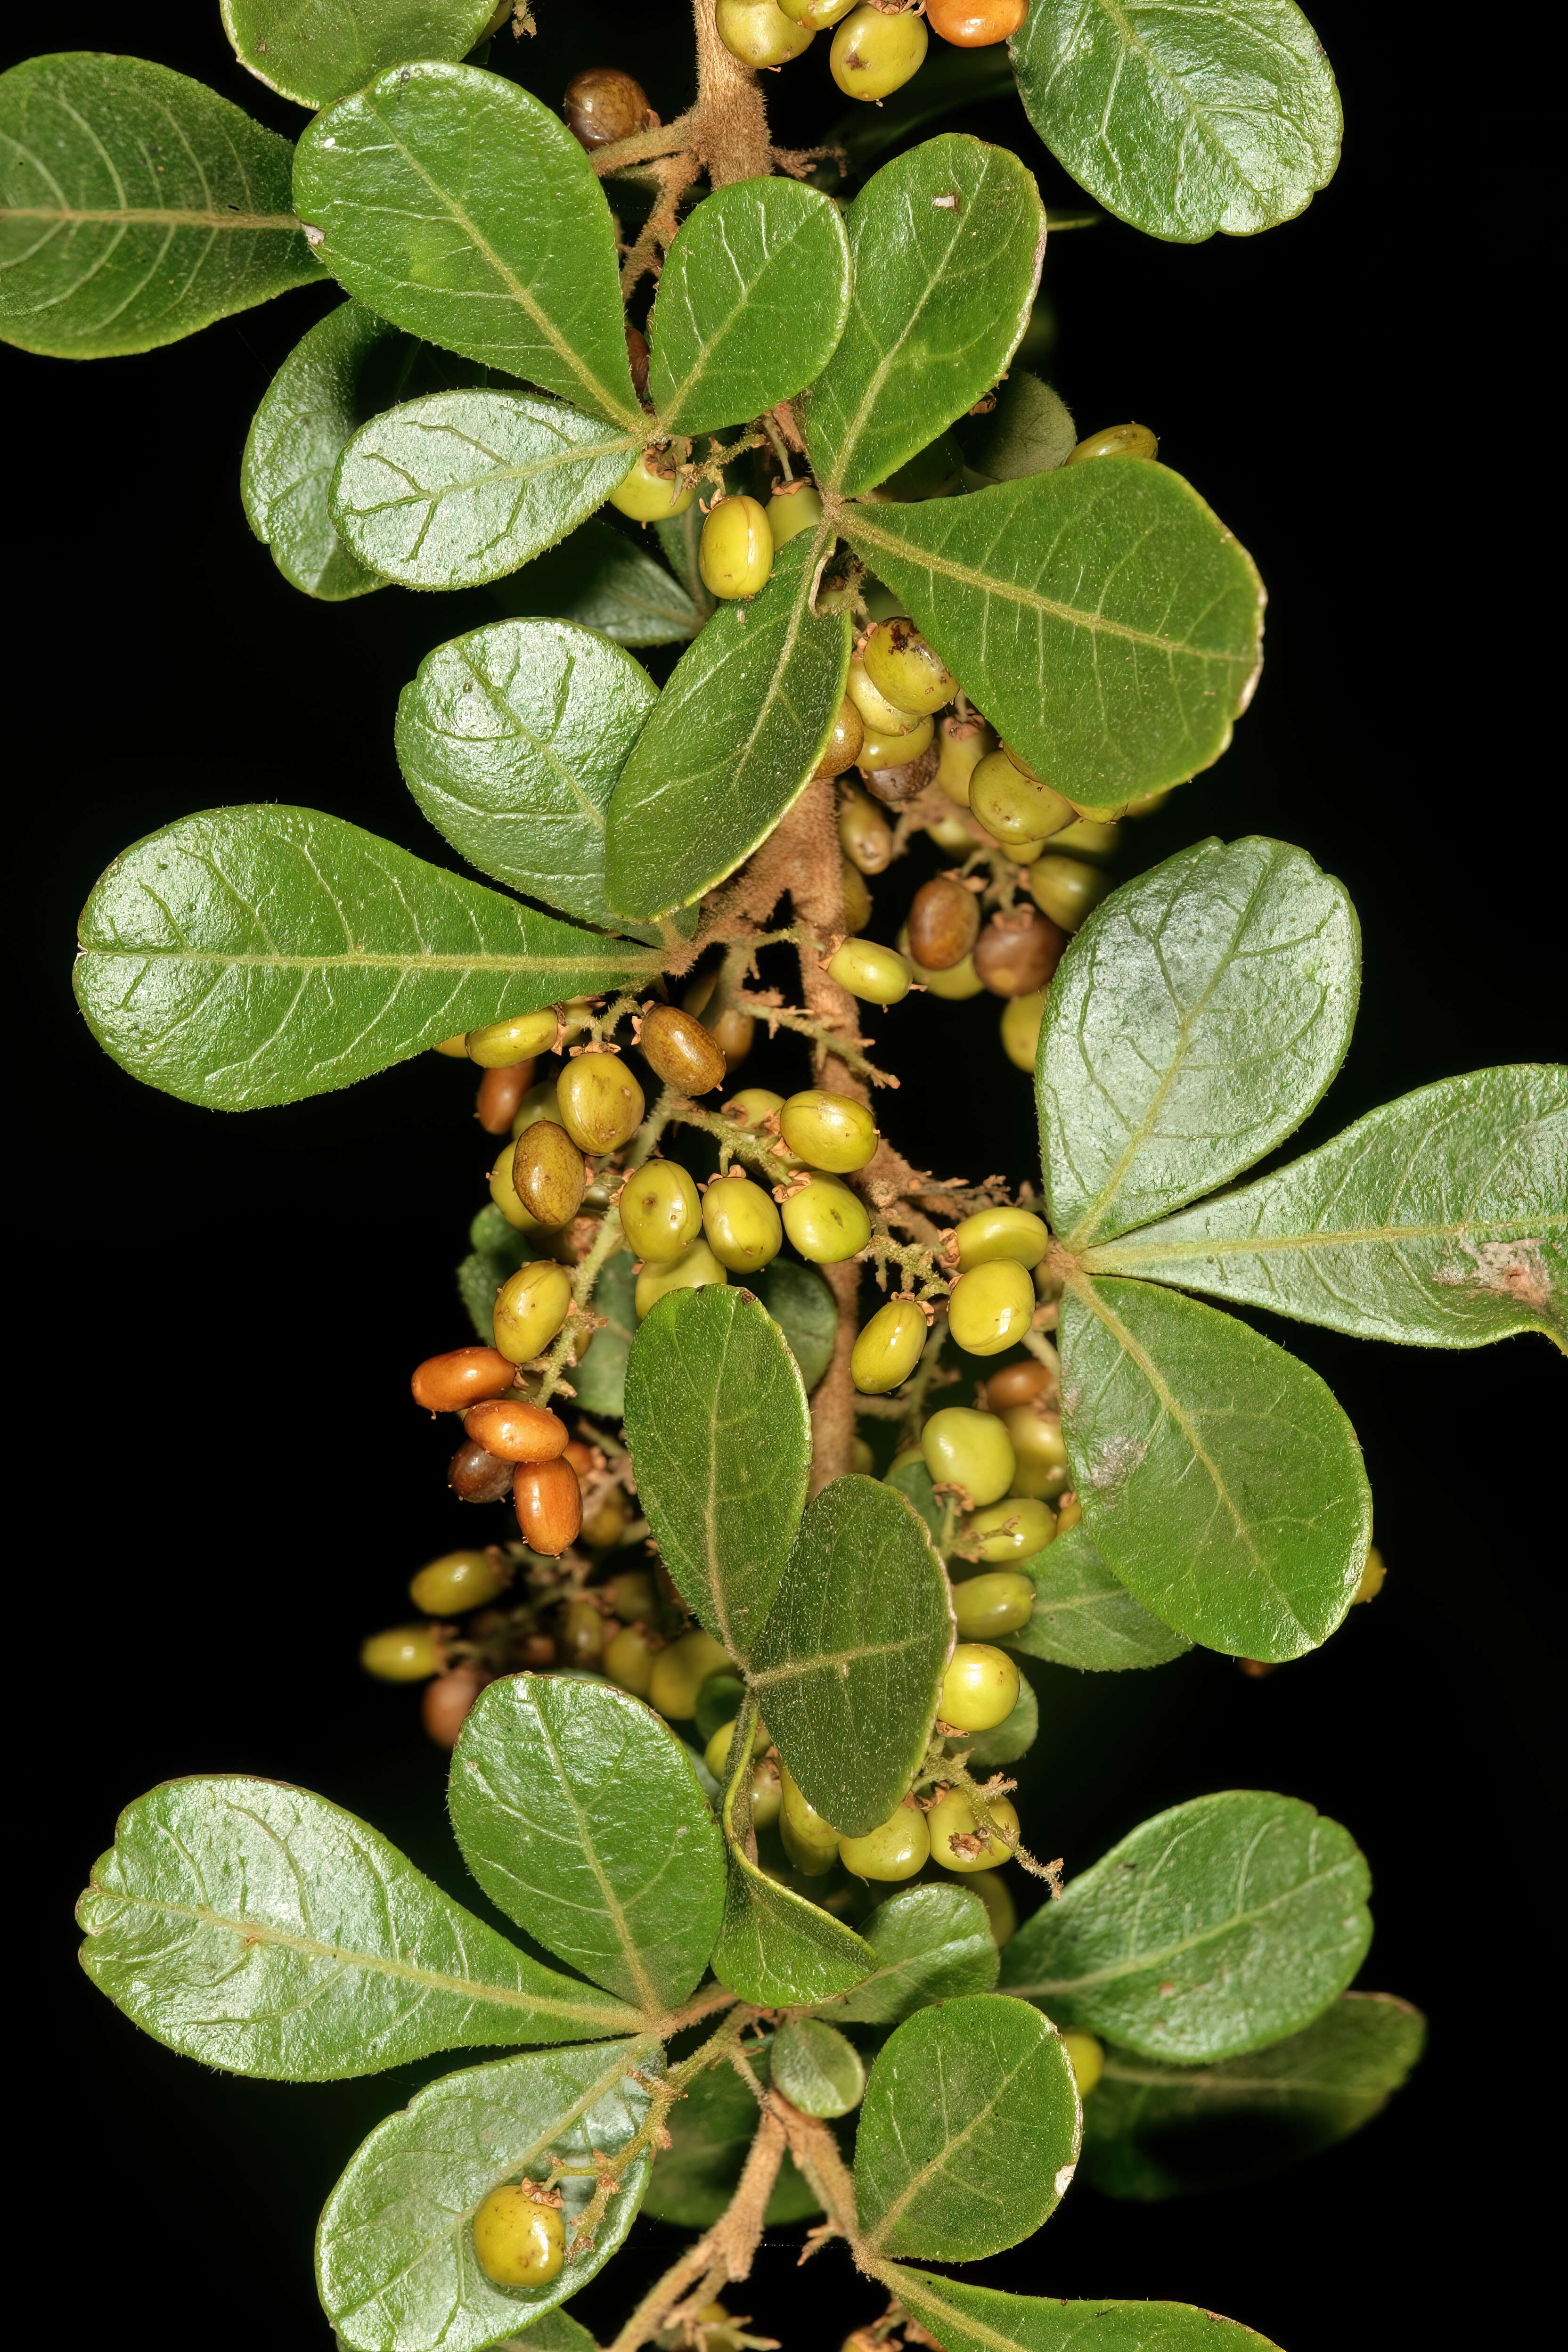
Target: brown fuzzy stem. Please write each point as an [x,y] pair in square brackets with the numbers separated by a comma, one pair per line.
[730,134]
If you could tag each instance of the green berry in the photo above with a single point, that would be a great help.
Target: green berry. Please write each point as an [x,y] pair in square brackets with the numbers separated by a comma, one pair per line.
[991,1309]
[1001,1911]
[810,1840]
[879,716]
[879,750]
[877,974]
[503,1192]
[794,507]
[716,1755]
[842,749]
[693,1268]
[751,1105]
[602,1104]
[402,1654]
[1116,441]
[1021,1019]
[759,34]
[539,1102]
[1087,2058]
[457,1581]
[992,1233]
[629,1661]
[1014,1529]
[767,1796]
[517,2240]
[964,744]
[661,1215]
[1068,891]
[895,1849]
[827,1222]
[1012,806]
[828,1130]
[679,1672]
[889,1349]
[864,833]
[735,553]
[952,1817]
[901,665]
[742,1225]
[531,1306]
[999,1601]
[856,898]
[980,1688]
[872,55]
[819,14]
[1088,837]
[964,1448]
[500,1044]
[649,495]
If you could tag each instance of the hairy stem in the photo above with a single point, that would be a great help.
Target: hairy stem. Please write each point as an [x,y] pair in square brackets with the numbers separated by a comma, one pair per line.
[730,134]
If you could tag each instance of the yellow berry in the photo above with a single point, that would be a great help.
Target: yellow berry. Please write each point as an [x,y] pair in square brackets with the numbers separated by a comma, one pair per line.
[953,1816]
[679,1672]
[661,1213]
[895,1849]
[504,1192]
[539,1102]
[969,1449]
[742,1223]
[455,1048]
[1014,1529]
[1087,2059]
[735,553]
[693,1268]
[828,1130]
[980,1688]
[517,2240]
[602,1104]
[873,55]
[1037,1436]
[956,983]
[875,973]
[794,507]
[856,898]
[880,751]
[901,665]
[991,1234]
[827,1222]
[810,1840]
[759,34]
[1067,890]
[1012,806]
[1372,1575]
[878,714]
[889,1347]
[648,495]
[716,1755]
[404,1653]
[1116,441]
[531,1306]
[864,833]
[1021,1019]
[997,1602]
[964,744]
[629,1661]
[992,1307]
[457,1581]
[1001,1911]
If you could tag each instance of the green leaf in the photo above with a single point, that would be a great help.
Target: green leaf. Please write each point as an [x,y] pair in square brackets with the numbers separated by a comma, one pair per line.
[554,2331]
[1213,1929]
[775,1947]
[932,1944]
[710,2131]
[732,743]
[983,2319]
[802,1305]
[680,540]
[510,740]
[1438,1219]
[135,207]
[913,1481]
[577,1812]
[719,1701]
[1007,1740]
[600,1376]
[816,2069]
[1165,2131]
[318,50]
[847,1668]
[1183,121]
[721,1442]
[1030,431]
[1106,621]
[946,243]
[599,579]
[1219,1480]
[460,208]
[256,955]
[498,1249]
[969,2131]
[1083,1617]
[753,297]
[1193,1023]
[395,2267]
[261,1929]
[464,487]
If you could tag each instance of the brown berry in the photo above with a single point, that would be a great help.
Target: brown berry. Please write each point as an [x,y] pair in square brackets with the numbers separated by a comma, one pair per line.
[944,922]
[863,834]
[548,1173]
[580,1456]
[445,1702]
[637,354]
[602,104]
[843,743]
[452,1382]
[1017,1384]
[516,1431]
[1017,952]
[501,1091]
[897,787]
[549,1504]
[475,1475]
[678,1049]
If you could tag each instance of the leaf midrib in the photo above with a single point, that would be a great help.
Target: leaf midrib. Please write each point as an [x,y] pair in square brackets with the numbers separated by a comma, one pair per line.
[150,216]
[371,963]
[941,2162]
[613,1910]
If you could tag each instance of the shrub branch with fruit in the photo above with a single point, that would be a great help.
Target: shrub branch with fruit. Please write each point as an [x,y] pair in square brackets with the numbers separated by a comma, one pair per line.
[807,1447]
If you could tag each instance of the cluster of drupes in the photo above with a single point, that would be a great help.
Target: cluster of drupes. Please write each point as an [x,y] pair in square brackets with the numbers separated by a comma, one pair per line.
[878,45]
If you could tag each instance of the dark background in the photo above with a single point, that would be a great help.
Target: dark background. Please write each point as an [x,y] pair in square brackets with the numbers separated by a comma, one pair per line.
[221,1469]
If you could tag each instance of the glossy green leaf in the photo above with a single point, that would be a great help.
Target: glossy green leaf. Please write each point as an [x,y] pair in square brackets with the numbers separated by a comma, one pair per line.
[803,1306]
[721,1442]
[733,741]
[1007,1740]
[1030,431]
[463,486]
[1083,1617]
[261,1929]
[1193,1023]
[318,50]
[497,1249]
[135,206]
[600,1376]
[847,1668]
[602,579]
[510,740]
[710,2131]
[932,1943]
[395,2267]
[577,1812]
[463,209]
[1440,1219]
[775,1947]
[1222,116]
[816,2069]
[1213,1929]
[913,1481]
[1165,2131]
[983,2319]
[968,2132]
[946,242]
[1106,621]
[752,299]
[554,2331]
[1220,1481]
[256,955]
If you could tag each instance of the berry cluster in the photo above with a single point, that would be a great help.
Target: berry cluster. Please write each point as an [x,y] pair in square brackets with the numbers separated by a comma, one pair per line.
[878,45]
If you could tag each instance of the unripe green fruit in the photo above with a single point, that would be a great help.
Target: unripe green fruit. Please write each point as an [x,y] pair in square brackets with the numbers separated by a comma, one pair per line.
[953,1816]
[1116,441]
[828,1130]
[503,1192]
[810,1840]
[601,1103]
[872,55]
[767,1796]
[679,1672]
[842,749]
[1067,890]
[990,1234]
[631,1595]
[455,1048]
[895,1849]
[1016,1529]
[819,14]
[500,1044]
[879,750]
[1012,806]
[693,1268]
[991,1309]
[879,716]
[998,1603]
[889,1349]
[539,1102]
[1037,1439]
[759,34]
[875,973]
[580,1636]
[742,1223]
[457,1581]
[1001,1911]
[862,1460]
[864,833]
[661,1215]
[716,1755]
[1087,2058]
[901,665]
[548,1173]
[1021,1019]
[751,1105]
[827,1222]
[856,898]
[964,1448]
[517,2240]
[648,496]
[964,744]
[796,506]
[531,1306]
[1070,1510]
[735,555]
[1089,836]
[629,1661]
[980,1688]
[402,1654]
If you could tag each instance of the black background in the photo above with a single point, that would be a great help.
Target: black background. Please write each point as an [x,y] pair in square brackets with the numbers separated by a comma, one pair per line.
[224,1483]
